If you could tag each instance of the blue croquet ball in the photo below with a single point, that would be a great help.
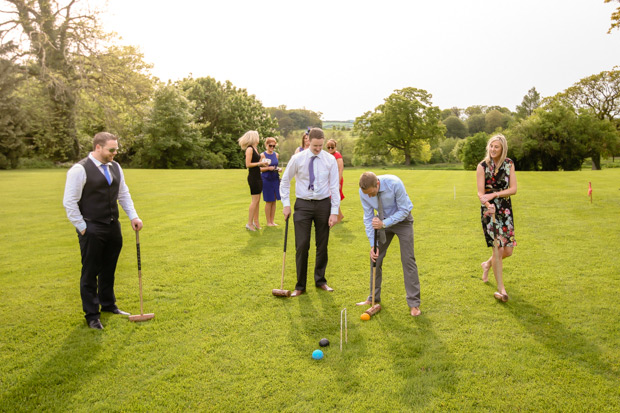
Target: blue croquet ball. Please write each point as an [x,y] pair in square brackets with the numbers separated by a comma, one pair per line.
[317,354]
[324,342]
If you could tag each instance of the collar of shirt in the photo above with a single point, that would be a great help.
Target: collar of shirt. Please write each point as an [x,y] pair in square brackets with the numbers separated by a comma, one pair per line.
[96,161]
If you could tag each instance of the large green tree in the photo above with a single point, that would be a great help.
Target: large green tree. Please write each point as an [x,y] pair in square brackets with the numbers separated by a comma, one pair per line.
[295,119]
[476,123]
[557,136]
[115,95]
[453,111]
[54,35]
[79,83]
[455,127]
[599,93]
[530,102]
[473,150]
[406,122]
[12,117]
[172,139]
[494,119]
[224,113]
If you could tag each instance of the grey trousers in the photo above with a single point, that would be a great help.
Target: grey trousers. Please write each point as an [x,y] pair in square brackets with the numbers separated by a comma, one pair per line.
[404,231]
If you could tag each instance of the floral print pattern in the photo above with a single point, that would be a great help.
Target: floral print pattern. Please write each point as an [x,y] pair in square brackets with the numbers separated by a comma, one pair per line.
[503,229]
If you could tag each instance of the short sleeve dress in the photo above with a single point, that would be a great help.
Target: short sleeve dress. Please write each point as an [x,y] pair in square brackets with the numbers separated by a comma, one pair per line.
[271,180]
[504,228]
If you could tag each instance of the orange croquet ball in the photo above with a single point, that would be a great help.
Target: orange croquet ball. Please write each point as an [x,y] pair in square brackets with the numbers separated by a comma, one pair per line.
[365,316]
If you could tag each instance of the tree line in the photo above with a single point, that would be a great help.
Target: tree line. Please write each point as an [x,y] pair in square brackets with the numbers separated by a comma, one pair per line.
[63,79]
[553,133]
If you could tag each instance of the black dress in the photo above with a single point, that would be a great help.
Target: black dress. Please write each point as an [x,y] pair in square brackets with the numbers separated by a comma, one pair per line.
[254,179]
[504,228]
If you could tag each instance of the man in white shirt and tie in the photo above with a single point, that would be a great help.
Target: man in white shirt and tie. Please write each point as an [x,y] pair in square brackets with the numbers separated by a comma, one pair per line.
[94,188]
[318,198]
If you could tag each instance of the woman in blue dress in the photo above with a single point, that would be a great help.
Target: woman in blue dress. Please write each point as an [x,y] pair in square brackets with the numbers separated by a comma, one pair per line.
[497,182]
[271,181]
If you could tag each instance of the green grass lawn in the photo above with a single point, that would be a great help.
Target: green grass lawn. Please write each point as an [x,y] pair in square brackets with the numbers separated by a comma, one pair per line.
[221,342]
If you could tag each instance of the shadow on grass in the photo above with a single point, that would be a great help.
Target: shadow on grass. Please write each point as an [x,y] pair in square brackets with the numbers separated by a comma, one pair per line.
[341,233]
[265,240]
[417,355]
[66,372]
[567,344]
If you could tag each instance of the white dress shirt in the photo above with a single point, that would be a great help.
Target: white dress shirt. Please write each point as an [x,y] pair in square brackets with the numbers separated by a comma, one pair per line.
[325,179]
[76,179]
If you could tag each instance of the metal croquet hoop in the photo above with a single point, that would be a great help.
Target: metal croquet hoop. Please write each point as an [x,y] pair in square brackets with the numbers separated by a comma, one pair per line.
[346,328]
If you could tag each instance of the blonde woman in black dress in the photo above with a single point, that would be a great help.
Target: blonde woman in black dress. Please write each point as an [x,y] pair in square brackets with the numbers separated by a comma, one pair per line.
[496,182]
[253,161]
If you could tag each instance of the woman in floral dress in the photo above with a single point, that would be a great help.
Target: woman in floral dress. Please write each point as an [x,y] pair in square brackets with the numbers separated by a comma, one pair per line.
[497,181]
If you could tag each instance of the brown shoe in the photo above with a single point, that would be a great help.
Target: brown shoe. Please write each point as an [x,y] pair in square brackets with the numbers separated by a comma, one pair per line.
[415,311]
[297,292]
[364,303]
[326,288]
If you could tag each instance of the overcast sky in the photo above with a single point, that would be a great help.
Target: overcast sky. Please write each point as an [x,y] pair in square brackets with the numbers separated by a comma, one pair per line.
[342,58]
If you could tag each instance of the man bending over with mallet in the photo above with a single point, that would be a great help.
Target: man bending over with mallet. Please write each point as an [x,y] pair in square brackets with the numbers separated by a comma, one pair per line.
[386,194]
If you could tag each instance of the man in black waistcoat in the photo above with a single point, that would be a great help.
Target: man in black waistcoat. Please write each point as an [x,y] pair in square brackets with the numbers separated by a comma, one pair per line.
[94,188]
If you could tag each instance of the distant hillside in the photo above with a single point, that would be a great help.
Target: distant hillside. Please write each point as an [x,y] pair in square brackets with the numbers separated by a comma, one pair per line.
[331,124]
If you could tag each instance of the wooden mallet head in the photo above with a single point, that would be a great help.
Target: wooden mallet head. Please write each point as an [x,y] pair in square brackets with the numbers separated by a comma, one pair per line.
[141,317]
[373,310]
[280,293]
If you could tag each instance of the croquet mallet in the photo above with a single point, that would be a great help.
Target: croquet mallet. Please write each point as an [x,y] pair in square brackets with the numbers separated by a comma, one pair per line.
[141,316]
[346,328]
[282,292]
[374,308]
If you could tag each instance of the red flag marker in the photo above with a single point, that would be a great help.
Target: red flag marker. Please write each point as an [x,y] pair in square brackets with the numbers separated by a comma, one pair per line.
[590,191]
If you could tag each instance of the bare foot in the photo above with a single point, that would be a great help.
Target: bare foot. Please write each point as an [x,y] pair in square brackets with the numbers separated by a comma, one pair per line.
[486,266]
[272,225]
[415,311]
[364,303]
